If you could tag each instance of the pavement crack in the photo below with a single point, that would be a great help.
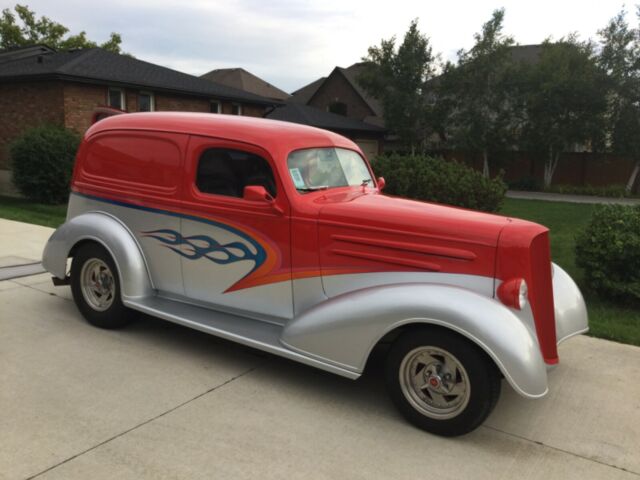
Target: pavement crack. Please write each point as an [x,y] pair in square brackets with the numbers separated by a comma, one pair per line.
[573,454]
[142,424]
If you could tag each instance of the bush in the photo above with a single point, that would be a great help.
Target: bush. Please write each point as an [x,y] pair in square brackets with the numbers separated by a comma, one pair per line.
[42,162]
[436,180]
[609,252]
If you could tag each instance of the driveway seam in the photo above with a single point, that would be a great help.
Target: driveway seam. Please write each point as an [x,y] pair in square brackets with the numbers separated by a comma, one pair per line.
[135,427]
[573,454]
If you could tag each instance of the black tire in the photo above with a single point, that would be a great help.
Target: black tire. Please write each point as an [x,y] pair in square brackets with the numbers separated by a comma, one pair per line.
[116,315]
[483,378]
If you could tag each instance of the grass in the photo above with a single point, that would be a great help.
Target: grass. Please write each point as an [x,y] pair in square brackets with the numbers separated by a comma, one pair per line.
[30,212]
[565,221]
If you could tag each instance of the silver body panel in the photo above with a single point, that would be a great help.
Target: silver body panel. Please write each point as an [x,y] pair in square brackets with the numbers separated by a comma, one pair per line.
[336,334]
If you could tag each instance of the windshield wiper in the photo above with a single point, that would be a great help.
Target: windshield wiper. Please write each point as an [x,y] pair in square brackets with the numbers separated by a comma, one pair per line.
[313,189]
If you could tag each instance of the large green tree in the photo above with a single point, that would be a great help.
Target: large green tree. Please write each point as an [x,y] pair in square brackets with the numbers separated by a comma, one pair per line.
[620,58]
[565,102]
[482,111]
[21,27]
[399,78]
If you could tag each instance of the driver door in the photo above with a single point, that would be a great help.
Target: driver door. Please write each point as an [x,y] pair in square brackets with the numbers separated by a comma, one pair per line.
[236,253]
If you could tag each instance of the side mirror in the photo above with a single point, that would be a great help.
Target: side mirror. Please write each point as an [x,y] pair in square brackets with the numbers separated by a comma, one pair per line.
[381,183]
[256,193]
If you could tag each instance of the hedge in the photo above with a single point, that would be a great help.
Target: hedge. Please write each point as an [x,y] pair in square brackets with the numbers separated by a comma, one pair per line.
[609,252]
[42,162]
[426,178]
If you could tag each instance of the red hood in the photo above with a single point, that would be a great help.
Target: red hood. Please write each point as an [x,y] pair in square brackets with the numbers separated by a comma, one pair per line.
[403,216]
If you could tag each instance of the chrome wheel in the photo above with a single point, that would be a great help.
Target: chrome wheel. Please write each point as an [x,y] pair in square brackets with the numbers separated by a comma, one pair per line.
[97,284]
[434,382]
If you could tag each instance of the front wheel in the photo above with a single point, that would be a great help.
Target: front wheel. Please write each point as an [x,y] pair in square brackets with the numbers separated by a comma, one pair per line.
[96,288]
[441,382]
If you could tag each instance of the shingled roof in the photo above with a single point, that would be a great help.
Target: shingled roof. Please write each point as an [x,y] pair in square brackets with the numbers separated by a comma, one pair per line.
[245,81]
[305,94]
[95,65]
[308,115]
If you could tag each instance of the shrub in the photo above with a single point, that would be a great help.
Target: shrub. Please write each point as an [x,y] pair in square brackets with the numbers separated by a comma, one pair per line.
[436,180]
[42,162]
[609,252]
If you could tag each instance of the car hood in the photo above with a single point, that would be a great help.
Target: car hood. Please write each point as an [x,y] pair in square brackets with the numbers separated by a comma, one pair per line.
[408,217]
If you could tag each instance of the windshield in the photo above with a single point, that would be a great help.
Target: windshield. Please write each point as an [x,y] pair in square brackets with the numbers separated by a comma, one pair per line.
[321,168]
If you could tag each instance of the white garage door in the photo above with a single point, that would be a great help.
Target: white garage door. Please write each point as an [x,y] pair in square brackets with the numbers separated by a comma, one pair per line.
[368,147]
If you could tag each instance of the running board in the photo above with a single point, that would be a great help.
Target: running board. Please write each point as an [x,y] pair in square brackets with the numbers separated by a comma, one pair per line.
[246,331]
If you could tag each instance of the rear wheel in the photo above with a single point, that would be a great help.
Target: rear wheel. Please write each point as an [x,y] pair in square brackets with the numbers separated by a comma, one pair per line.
[441,382]
[96,288]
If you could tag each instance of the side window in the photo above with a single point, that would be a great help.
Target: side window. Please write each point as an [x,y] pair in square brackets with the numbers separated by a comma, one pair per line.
[223,171]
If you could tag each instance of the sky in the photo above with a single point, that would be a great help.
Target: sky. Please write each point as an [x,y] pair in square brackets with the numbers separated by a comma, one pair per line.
[291,43]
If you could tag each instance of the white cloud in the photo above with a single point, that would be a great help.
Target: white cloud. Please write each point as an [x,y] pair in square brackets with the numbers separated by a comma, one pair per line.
[290,43]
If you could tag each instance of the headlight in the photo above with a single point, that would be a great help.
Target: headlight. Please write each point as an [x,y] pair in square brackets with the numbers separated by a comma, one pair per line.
[513,293]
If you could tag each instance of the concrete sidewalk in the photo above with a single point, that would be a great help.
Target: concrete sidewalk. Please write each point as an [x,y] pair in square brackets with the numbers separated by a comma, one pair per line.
[562,197]
[157,400]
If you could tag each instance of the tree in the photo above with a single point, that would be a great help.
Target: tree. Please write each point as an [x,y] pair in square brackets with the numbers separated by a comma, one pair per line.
[482,113]
[23,28]
[399,78]
[619,57]
[565,101]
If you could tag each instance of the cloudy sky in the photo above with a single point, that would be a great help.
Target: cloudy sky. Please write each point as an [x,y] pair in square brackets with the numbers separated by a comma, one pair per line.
[292,42]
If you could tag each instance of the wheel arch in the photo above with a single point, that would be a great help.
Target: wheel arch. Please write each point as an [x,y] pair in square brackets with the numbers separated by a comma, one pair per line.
[345,329]
[114,236]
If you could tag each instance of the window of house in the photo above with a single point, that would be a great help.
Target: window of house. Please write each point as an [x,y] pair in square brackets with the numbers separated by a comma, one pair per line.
[236,109]
[115,98]
[146,102]
[215,107]
[223,171]
[339,108]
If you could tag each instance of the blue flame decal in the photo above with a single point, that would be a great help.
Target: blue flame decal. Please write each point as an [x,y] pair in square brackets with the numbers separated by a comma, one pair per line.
[196,247]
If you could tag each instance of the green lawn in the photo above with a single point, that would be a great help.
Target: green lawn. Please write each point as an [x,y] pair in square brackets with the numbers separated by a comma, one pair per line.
[29,212]
[565,220]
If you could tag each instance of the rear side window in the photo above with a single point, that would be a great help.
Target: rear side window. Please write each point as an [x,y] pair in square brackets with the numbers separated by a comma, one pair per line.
[132,159]
[223,171]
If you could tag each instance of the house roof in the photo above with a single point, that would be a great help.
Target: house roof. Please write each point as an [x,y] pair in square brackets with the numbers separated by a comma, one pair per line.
[95,65]
[243,80]
[304,94]
[351,73]
[308,115]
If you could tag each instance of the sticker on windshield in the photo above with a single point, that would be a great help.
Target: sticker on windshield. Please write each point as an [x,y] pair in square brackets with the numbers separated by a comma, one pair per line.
[296,177]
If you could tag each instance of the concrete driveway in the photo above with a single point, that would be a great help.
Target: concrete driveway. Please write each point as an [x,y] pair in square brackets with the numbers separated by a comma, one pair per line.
[157,400]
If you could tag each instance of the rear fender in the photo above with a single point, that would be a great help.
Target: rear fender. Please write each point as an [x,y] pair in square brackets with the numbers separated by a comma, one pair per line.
[114,236]
[344,329]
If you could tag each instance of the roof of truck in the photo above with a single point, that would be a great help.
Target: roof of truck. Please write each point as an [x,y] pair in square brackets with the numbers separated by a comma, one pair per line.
[268,134]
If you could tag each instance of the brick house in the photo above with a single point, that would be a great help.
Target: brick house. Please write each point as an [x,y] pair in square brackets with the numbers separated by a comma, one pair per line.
[369,135]
[341,94]
[39,85]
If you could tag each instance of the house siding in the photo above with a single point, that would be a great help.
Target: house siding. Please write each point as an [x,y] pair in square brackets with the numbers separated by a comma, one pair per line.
[27,105]
[336,88]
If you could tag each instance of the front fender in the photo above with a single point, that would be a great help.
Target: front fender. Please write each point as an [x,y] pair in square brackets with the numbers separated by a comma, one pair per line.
[111,234]
[344,329]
